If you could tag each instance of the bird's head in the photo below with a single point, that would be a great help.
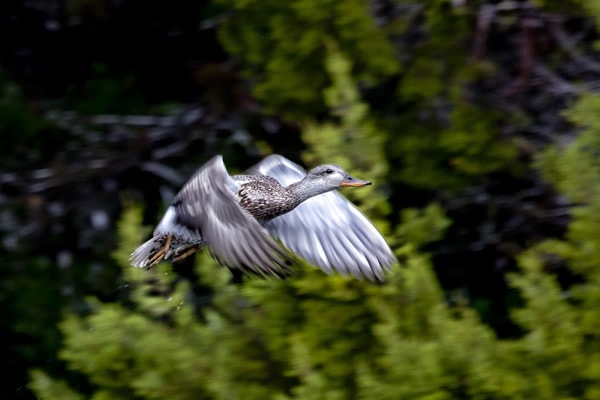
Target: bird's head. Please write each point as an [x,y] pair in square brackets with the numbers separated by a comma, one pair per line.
[331,176]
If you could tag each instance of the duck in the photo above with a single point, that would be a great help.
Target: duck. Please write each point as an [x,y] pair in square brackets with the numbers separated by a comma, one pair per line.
[260,220]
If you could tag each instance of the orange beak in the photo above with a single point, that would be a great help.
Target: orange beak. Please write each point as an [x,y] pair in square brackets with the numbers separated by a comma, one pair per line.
[353,182]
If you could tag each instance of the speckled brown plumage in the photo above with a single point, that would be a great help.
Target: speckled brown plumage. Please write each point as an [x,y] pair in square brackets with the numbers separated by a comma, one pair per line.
[263,197]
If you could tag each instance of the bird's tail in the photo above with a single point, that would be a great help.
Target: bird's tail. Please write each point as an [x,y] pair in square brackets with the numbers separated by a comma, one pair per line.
[151,252]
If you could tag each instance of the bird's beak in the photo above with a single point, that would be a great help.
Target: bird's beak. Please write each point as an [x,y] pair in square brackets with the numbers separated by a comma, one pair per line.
[353,182]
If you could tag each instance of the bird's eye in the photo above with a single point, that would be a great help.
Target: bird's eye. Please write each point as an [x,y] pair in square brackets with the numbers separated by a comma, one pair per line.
[329,171]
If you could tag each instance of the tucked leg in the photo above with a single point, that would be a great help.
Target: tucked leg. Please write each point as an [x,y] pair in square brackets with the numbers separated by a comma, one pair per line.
[160,253]
[185,251]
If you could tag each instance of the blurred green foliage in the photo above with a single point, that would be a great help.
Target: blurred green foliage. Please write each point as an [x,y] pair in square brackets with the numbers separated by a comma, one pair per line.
[283,45]
[573,6]
[442,136]
[562,322]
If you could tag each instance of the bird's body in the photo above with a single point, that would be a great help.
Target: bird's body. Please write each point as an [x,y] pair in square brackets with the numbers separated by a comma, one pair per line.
[236,217]
[264,197]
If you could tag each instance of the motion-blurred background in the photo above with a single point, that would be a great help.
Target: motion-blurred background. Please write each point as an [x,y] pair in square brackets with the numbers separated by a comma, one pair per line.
[477,121]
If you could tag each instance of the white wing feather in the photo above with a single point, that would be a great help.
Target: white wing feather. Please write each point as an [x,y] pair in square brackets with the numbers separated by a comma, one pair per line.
[327,230]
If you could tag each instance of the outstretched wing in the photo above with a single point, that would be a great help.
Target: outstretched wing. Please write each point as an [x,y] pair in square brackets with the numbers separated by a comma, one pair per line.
[207,204]
[326,230]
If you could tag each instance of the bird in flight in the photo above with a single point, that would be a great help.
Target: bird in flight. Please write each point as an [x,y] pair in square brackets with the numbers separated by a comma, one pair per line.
[242,219]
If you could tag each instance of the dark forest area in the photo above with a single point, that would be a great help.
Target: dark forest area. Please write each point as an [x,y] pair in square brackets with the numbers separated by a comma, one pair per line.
[478,123]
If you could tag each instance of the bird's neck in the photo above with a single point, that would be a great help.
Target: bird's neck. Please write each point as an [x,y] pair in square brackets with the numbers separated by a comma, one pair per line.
[305,189]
